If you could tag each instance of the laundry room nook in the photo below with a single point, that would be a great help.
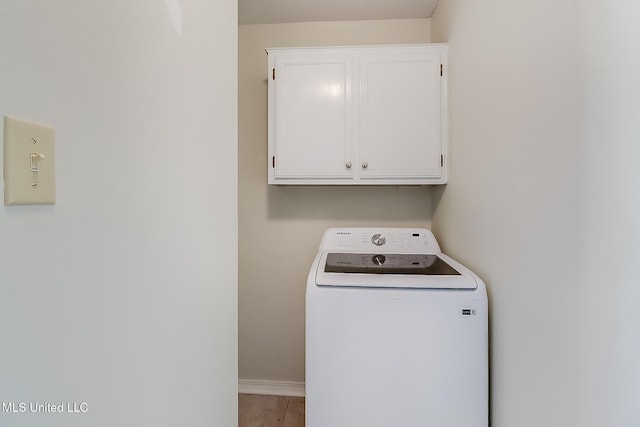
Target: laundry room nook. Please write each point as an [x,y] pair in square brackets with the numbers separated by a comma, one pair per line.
[287,222]
[443,231]
[513,208]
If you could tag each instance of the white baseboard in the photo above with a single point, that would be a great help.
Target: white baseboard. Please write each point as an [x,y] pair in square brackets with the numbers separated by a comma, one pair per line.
[276,388]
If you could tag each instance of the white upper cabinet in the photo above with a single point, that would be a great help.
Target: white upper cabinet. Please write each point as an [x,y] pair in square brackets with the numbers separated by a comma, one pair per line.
[358,115]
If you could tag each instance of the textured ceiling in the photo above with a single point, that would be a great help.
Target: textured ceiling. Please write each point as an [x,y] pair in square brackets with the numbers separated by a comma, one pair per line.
[280,11]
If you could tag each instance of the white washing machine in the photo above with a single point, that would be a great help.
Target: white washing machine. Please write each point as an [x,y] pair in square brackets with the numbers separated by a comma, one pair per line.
[396,333]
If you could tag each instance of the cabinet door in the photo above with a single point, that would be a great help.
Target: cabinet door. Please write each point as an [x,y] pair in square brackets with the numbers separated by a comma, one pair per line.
[313,117]
[401,115]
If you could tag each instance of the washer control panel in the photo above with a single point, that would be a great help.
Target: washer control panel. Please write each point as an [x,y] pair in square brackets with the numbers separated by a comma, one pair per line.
[383,239]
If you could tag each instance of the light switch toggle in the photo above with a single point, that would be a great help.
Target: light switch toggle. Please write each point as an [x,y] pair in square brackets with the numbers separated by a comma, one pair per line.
[36,158]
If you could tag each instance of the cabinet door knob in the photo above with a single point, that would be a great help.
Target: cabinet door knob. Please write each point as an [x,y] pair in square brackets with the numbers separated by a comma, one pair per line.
[365,165]
[348,165]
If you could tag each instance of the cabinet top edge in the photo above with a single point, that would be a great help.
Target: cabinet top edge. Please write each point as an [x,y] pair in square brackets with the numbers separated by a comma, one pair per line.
[354,47]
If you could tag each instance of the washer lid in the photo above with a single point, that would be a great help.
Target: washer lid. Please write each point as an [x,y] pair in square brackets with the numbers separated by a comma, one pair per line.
[428,271]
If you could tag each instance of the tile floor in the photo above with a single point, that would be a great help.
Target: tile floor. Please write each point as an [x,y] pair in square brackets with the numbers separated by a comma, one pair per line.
[256,410]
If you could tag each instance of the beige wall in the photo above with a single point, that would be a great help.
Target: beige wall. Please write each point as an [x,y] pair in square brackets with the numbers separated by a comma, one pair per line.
[544,200]
[280,227]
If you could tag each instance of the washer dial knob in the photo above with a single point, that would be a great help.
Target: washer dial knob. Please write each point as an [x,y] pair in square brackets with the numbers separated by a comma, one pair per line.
[378,259]
[378,239]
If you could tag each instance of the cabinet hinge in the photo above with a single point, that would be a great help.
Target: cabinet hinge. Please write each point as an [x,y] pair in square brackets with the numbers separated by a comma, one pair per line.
[273,162]
[441,70]
[273,73]
[441,160]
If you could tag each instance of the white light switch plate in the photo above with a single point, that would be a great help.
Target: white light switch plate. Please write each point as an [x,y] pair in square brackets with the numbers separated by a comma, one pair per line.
[29,166]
